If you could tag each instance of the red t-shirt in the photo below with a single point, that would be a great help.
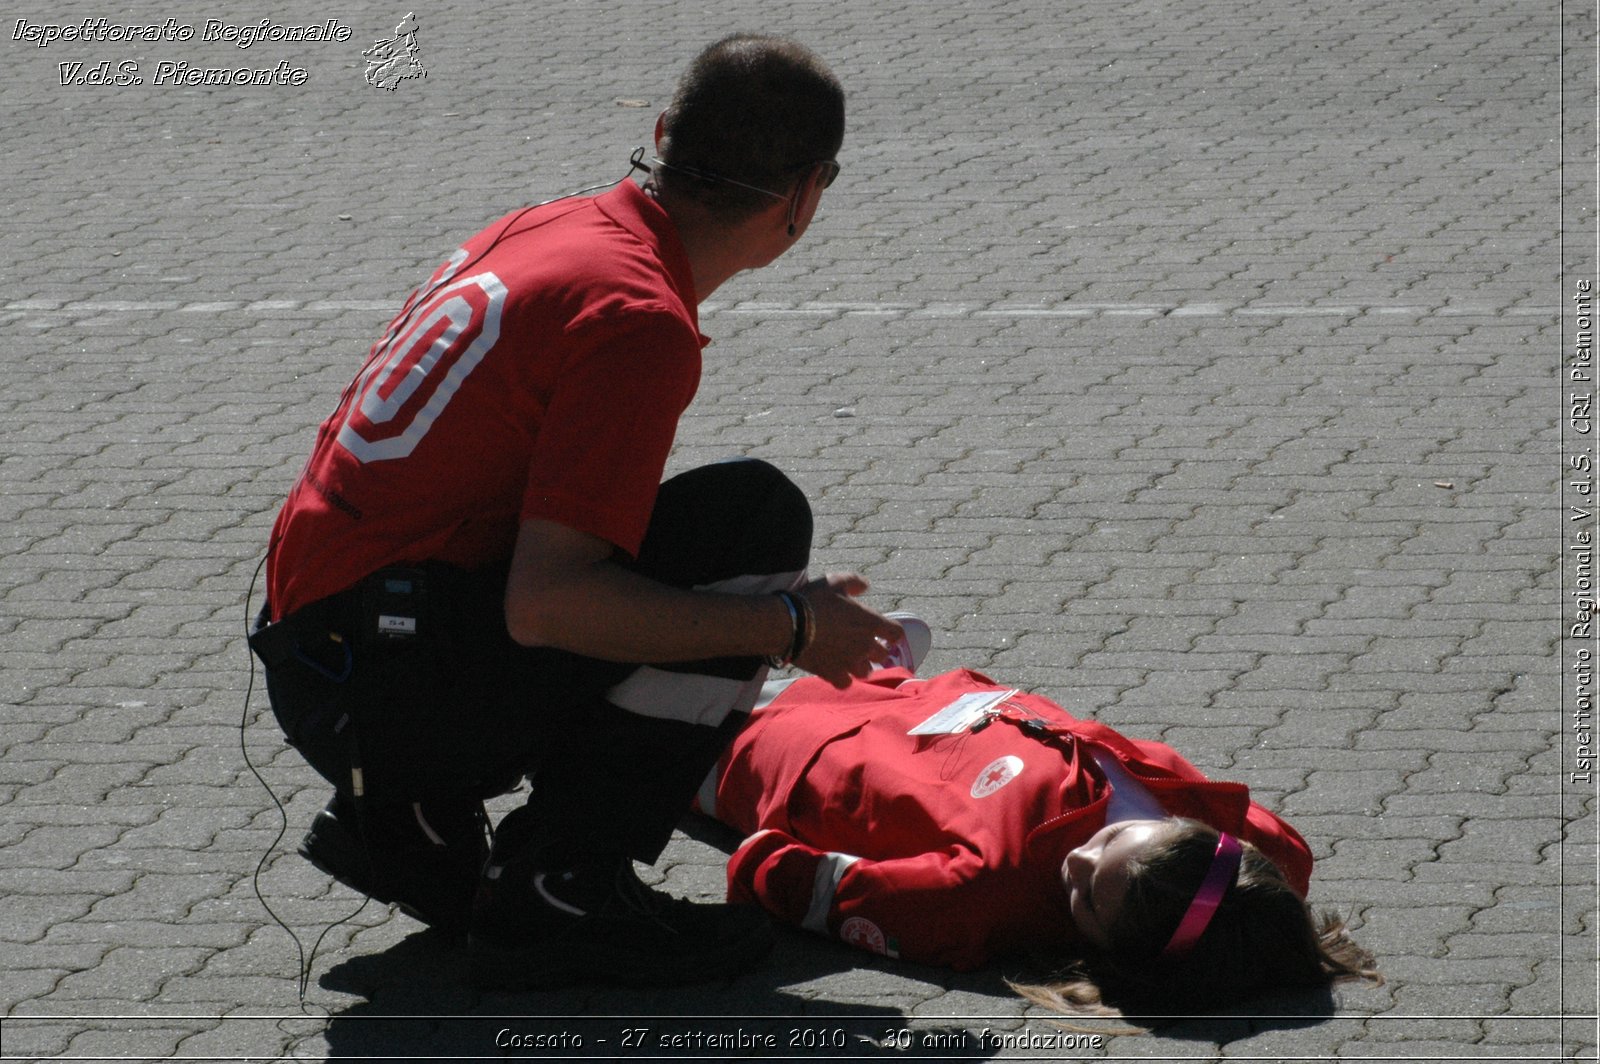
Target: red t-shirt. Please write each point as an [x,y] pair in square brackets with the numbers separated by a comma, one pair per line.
[539,373]
[943,848]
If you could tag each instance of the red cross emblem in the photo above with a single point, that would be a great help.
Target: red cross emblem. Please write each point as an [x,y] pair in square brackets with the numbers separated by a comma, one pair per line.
[996,774]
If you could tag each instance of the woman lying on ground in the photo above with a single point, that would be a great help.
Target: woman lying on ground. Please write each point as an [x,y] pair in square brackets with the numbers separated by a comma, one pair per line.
[958,822]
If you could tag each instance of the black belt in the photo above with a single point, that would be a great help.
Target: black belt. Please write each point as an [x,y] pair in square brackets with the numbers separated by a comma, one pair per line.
[317,636]
[388,607]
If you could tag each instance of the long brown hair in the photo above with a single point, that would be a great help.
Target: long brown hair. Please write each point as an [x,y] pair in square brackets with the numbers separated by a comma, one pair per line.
[1264,937]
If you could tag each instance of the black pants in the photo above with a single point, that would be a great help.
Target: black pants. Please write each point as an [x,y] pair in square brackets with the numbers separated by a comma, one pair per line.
[462,711]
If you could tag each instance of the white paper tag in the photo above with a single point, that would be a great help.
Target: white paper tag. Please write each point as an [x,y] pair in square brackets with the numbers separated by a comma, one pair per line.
[961,714]
[389,624]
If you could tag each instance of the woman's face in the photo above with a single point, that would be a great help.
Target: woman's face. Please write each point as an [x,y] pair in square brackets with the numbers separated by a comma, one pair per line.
[1096,875]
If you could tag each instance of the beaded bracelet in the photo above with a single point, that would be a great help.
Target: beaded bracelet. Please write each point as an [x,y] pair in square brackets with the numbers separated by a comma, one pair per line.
[803,625]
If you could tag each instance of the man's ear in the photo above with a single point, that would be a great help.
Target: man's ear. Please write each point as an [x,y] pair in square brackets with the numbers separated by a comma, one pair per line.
[661,130]
[804,201]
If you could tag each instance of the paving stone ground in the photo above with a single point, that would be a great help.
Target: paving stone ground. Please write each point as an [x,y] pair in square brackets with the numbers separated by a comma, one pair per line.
[1205,366]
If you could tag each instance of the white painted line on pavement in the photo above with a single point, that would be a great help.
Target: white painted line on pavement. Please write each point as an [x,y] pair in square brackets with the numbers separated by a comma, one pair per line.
[818,309]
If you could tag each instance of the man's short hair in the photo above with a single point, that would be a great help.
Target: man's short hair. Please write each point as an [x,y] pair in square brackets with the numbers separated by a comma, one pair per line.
[754,109]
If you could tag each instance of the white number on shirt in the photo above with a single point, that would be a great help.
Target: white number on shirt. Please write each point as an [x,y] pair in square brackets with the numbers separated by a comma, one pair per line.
[429,350]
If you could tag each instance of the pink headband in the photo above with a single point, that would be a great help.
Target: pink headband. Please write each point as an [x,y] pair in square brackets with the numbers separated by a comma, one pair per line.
[1219,877]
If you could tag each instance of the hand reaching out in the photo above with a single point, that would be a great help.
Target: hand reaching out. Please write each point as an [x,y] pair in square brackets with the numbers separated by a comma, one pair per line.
[849,637]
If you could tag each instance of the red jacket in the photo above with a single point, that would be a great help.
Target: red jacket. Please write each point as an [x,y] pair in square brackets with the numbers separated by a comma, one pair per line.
[944,849]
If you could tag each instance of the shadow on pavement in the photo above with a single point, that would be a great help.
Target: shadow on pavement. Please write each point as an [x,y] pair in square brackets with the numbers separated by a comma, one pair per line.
[419,1004]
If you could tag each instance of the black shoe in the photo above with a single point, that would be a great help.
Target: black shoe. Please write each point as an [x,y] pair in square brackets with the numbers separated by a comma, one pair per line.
[424,858]
[538,929]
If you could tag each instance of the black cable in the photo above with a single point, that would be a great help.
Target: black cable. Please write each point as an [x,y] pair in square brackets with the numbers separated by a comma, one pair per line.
[305,961]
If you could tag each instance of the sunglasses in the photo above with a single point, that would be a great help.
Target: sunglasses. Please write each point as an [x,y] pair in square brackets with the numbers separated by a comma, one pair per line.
[827,173]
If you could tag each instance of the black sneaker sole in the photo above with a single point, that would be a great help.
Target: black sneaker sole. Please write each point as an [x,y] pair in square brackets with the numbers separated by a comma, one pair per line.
[325,844]
[328,846]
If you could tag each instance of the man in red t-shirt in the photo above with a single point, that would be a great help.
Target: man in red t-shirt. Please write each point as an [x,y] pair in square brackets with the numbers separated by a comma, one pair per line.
[479,574]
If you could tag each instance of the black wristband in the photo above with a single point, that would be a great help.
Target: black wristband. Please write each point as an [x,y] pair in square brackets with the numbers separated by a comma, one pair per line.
[808,626]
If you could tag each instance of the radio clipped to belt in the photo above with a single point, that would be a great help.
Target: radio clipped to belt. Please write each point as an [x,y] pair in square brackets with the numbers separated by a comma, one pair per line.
[387,609]
[394,606]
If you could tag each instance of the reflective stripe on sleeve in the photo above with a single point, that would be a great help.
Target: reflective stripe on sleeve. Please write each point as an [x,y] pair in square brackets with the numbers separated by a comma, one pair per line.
[830,869]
